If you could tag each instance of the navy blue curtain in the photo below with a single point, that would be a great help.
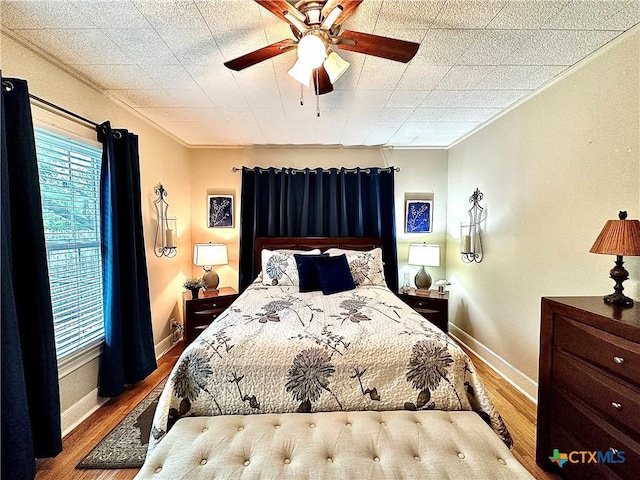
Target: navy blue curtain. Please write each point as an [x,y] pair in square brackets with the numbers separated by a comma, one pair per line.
[320,203]
[30,394]
[128,355]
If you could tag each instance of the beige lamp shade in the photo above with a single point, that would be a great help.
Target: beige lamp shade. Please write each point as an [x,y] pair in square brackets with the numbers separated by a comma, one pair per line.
[209,254]
[424,254]
[206,255]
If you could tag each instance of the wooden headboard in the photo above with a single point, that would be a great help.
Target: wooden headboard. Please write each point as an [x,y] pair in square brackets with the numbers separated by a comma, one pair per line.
[309,243]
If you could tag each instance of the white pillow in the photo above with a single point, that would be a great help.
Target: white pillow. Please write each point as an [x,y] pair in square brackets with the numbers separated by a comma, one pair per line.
[366,267]
[279,266]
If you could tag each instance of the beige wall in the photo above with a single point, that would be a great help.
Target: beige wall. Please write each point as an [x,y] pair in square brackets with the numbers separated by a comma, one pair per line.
[552,172]
[162,159]
[420,171]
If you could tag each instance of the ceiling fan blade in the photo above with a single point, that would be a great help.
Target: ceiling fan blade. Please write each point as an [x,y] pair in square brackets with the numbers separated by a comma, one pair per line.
[279,7]
[260,55]
[383,47]
[321,81]
[348,7]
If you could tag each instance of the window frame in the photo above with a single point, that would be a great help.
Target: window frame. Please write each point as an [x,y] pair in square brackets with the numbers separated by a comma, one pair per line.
[59,125]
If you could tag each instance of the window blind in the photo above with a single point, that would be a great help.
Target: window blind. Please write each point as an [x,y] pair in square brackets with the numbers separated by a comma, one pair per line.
[69,172]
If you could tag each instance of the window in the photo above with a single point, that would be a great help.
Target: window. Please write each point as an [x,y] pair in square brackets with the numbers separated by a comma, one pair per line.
[69,173]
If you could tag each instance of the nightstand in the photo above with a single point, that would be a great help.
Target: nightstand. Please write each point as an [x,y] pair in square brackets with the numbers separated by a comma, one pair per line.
[200,312]
[434,307]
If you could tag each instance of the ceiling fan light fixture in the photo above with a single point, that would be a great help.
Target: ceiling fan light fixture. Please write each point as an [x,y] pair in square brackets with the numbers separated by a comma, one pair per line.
[335,66]
[331,18]
[312,50]
[301,72]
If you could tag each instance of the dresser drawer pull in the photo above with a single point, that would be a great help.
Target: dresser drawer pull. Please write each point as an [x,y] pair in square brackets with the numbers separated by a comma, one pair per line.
[618,360]
[616,405]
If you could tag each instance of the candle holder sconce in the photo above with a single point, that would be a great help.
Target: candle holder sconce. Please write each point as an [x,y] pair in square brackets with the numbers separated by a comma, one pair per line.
[470,233]
[166,227]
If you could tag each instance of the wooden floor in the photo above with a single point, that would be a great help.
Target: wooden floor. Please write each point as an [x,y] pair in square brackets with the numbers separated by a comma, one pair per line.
[518,412]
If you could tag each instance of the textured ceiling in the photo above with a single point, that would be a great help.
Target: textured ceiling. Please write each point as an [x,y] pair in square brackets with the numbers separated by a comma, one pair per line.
[164,58]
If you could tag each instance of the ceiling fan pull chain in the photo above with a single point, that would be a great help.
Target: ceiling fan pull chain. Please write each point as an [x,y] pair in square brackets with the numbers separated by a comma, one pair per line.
[317,89]
[301,95]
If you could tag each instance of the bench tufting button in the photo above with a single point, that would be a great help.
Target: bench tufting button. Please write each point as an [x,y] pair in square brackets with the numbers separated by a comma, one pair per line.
[348,424]
[376,459]
[158,470]
[383,424]
[246,463]
[240,428]
[329,460]
[203,461]
[418,423]
[276,426]
[287,461]
[501,460]
[416,458]
[204,429]
[460,455]
[312,425]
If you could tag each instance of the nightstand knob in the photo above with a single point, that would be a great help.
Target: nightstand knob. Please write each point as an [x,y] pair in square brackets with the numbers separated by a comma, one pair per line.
[616,405]
[618,360]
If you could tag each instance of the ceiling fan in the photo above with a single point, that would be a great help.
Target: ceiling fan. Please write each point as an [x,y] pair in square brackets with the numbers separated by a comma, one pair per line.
[317,28]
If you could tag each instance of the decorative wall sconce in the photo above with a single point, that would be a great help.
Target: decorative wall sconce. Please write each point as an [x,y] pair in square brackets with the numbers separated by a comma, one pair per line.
[166,227]
[470,234]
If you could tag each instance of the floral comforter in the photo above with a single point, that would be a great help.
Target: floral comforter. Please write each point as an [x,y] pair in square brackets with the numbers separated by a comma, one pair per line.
[276,350]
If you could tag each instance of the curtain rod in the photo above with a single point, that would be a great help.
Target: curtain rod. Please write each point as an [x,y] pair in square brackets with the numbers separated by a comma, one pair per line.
[9,86]
[304,170]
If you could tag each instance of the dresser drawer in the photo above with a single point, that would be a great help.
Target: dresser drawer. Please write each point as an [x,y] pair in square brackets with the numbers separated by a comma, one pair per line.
[616,401]
[615,354]
[594,434]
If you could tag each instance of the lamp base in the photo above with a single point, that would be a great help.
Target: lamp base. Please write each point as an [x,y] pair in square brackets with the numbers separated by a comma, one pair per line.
[618,274]
[211,280]
[423,279]
[618,299]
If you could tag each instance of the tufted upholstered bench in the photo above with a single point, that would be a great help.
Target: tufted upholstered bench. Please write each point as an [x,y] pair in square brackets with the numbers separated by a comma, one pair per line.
[333,445]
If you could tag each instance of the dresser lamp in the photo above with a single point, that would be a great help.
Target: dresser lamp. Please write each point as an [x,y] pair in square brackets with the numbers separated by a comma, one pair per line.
[424,255]
[207,255]
[619,237]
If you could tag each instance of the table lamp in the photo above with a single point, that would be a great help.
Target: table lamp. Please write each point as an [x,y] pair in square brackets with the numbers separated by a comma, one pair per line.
[619,237]
[424,255]
[206,255]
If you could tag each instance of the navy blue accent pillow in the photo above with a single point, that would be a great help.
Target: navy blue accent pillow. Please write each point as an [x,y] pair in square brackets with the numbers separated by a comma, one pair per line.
[307,273]
[334,274]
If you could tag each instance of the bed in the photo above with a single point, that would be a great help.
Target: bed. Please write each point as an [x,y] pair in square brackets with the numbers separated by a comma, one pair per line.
[276,350]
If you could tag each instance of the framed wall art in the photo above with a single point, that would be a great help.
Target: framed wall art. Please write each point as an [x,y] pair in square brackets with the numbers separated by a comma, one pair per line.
[220,211]
[418,216]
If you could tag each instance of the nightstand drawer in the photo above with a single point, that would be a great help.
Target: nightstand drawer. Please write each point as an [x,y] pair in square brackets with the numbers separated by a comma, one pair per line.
[614,400]
[199,313]
[615,354]
[214,303]
[434,308]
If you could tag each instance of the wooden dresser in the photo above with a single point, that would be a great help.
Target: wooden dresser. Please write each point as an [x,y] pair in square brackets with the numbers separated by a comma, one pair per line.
[589,388]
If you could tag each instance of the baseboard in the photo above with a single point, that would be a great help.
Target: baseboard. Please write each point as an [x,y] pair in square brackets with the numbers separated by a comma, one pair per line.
[82,409]
[511,374]
[163,346]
